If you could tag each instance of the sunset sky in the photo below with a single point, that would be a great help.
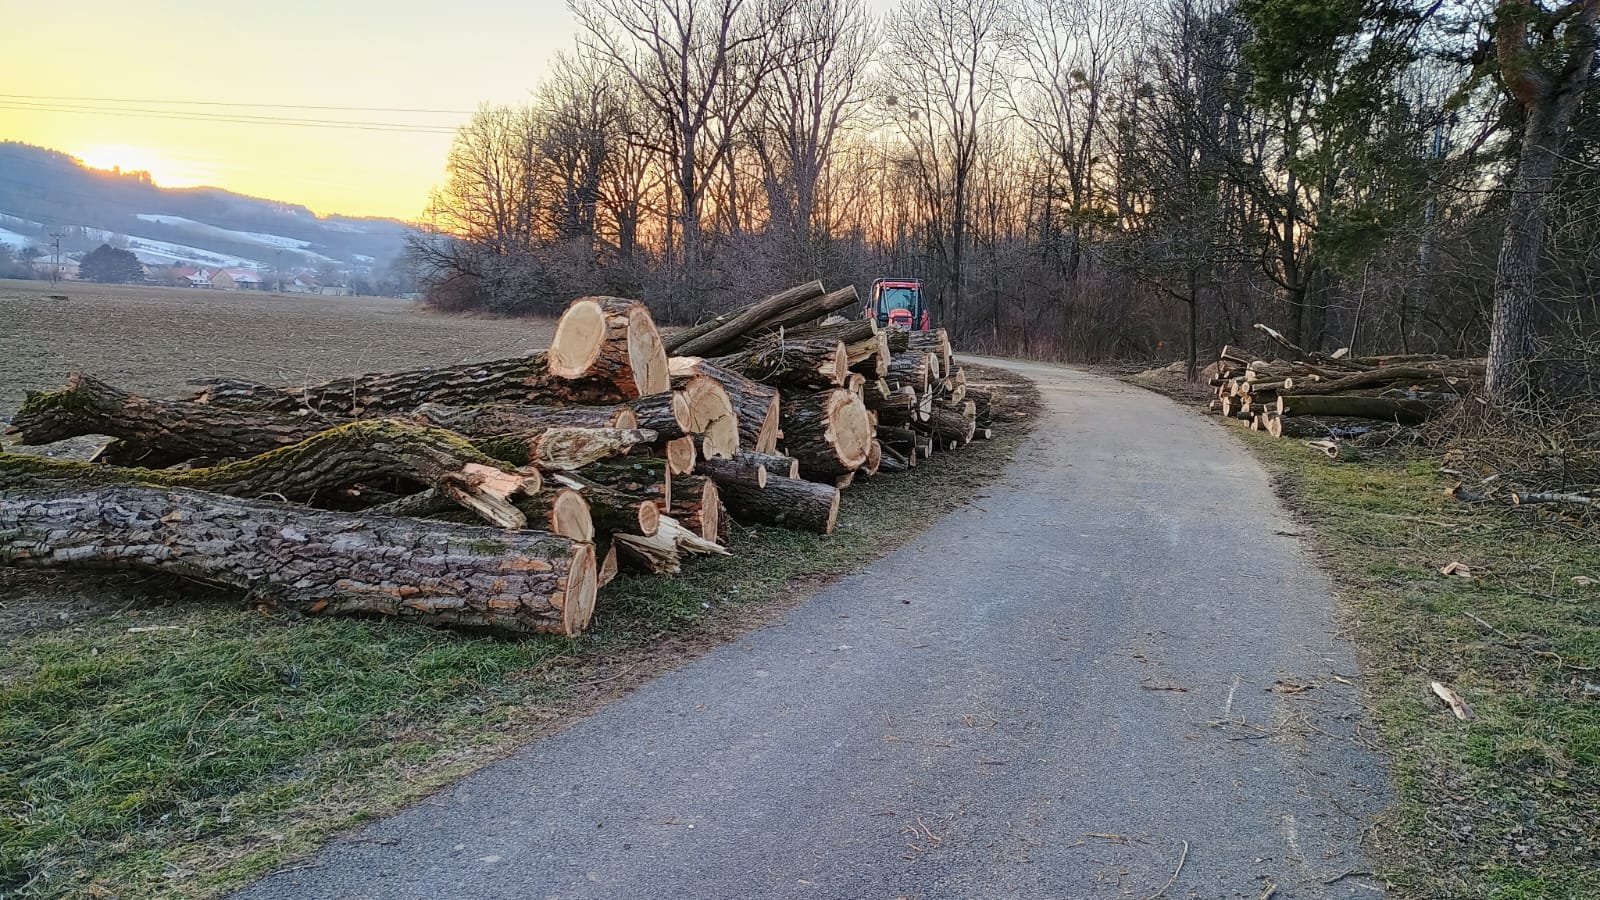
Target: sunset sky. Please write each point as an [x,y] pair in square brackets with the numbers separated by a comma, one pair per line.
[279,58]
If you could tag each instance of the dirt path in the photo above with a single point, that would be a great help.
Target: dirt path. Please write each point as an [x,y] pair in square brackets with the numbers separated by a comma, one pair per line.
[1115,662]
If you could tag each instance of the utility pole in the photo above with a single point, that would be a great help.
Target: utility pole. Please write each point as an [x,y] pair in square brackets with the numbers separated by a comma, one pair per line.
[55,270]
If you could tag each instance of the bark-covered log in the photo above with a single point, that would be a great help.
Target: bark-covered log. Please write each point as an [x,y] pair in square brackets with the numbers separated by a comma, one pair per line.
[914,369]
[354,453]
[894,406]
[313,561]
[1387,375]
[681,454]
[1405,412]
[610,339]
[666,413]
[752,407]
[492,421]
[777,465]
[709,337]
[828,432]
[697,505]
[174,429]
[786,502]
[816,364]
[936,341]
[621,508]
[800,315]
[521,379]
[951,425]
[567,449]
[740,471]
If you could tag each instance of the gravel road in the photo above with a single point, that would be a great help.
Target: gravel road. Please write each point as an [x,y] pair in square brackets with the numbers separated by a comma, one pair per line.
[1116,666]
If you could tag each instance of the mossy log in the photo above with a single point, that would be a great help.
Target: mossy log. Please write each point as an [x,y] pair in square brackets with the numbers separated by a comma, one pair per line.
[610,339]
[321,466]
[521,379]
[314,561]
[828,432]
[174,430]
[816,364]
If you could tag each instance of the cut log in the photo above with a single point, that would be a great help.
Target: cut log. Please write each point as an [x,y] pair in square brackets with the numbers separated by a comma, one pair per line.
[740,471]
[313,561]
[568,449]
[663,552]
[706,338]
[319,466]
[697,505]
[828,432]
[557,508]
[752,408]
[173,430]
[816,364]
[681,455]
[951,424]
[628,509]
[491,421]
[785,502]
[610,339]
[777,466]
[666,413]
[1405,412]
[522,379]
[640,477]
[914,369]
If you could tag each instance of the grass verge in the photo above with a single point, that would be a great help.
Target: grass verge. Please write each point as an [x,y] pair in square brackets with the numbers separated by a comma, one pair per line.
[1507,805]
[214,745]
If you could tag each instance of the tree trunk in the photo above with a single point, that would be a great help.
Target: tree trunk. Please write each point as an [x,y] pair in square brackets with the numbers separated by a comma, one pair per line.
[1406,412]
[317,562]
[697,341]
[727,407]
[665,413]
[697,506]
[174,429]
[816,364]
[522,379]
[321,466]
[829,432]
[786,502]
[610,339]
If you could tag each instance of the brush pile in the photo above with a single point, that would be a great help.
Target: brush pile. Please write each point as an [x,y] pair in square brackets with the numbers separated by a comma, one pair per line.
[502,495]
[1289,397]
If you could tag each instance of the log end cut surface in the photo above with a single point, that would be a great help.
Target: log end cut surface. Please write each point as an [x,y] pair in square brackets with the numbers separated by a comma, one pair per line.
[647,354]
[582,584]
[580,337]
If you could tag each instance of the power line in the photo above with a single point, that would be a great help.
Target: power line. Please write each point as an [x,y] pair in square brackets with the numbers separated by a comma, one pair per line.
[228,118]
[402,109]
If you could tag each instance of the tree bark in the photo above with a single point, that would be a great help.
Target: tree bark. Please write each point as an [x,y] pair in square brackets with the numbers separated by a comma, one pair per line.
[610,339]
[1406,412]
[750,419]
[313,561]
[175,429]
[522,379]
[708,336]
[320,466]
[786,502]
[816,364]
[828,432]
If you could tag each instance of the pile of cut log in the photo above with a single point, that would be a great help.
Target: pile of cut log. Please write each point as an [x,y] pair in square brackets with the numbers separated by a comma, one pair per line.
[1287,396]
[500,495]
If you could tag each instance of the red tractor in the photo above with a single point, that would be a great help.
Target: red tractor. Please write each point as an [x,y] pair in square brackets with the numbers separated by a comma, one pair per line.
[898,302]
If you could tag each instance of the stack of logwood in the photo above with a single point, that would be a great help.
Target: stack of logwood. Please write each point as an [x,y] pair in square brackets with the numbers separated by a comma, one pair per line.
[499,495]
[1283,396]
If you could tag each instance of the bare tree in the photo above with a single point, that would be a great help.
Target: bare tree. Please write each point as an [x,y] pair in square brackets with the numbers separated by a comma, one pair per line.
[949,66]
[697,65]
[1545,59]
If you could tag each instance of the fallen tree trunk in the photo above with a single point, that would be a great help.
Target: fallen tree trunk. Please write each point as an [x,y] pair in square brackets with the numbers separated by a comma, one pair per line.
[666,413]
[322,465]
[787,502]
[727,408]
[1405,412]
[697,505]
[816,364]
[708,337]
[174,429]
[610,339]
[313,561]
[522,379]
[828,432]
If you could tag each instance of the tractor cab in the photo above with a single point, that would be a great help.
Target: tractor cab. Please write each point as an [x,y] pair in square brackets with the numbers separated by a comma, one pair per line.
[898,303]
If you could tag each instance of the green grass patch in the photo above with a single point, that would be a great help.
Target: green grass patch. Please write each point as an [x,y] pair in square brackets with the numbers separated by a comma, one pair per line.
[1508,805]
[184,760]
